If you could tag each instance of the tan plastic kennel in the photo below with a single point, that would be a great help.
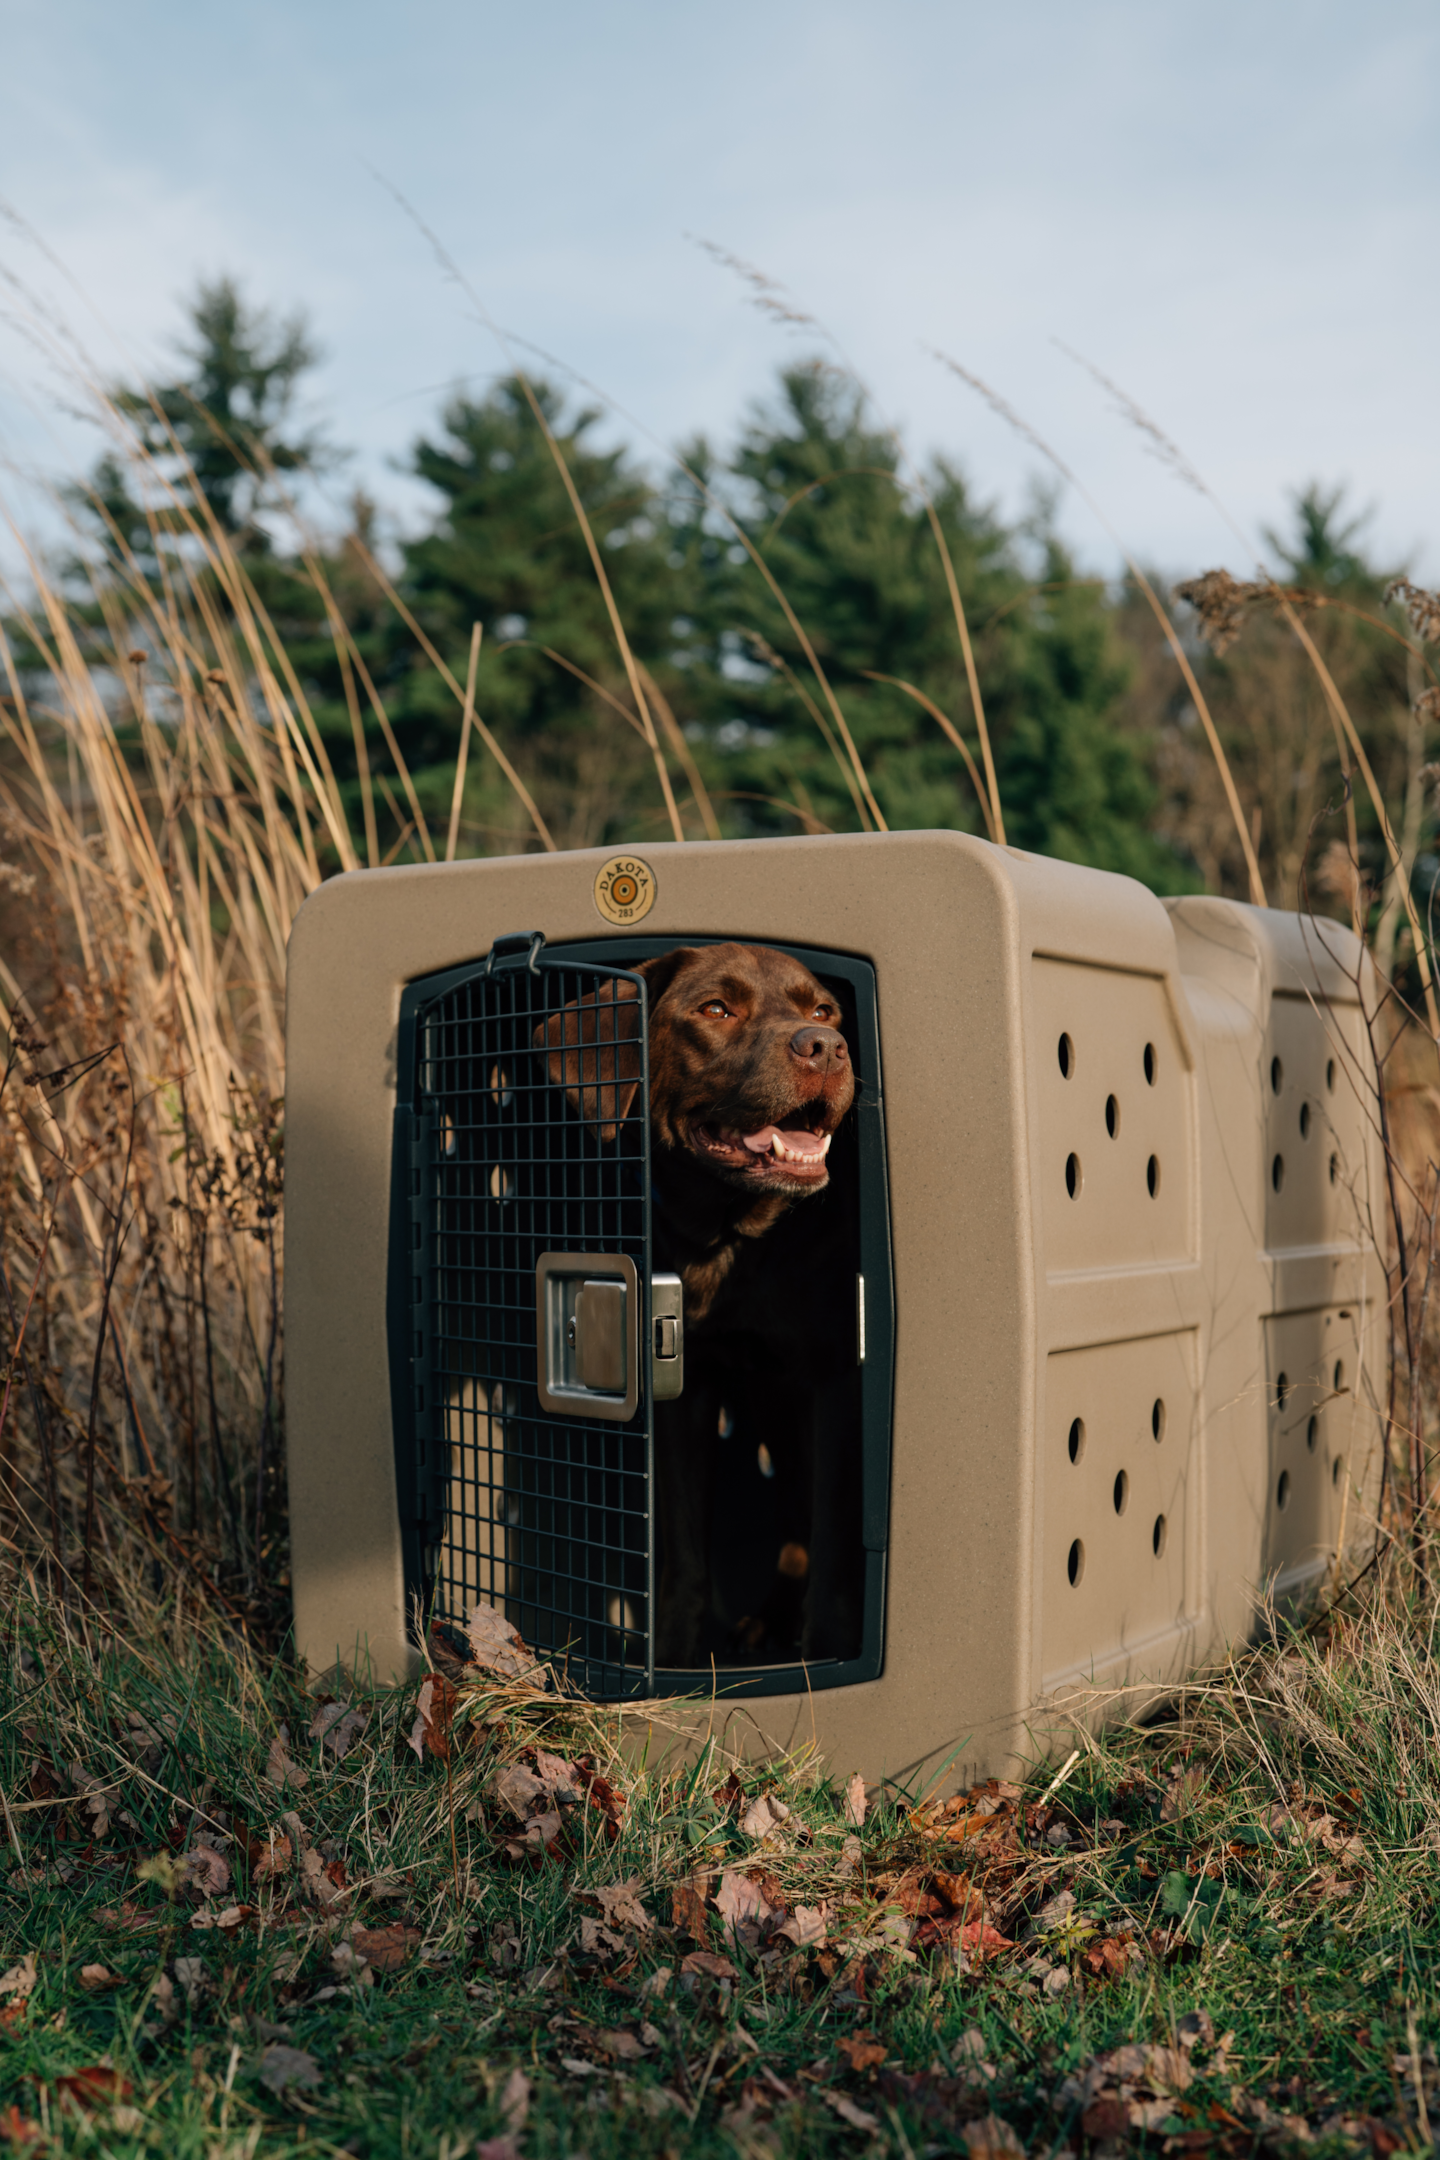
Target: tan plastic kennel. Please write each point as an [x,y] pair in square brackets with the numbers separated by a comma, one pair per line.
[1121,1317]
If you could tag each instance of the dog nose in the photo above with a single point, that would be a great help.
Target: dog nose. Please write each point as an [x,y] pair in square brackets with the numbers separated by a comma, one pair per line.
[820,1047]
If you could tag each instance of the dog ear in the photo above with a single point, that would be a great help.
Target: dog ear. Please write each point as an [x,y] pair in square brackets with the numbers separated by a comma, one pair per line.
[593,1047]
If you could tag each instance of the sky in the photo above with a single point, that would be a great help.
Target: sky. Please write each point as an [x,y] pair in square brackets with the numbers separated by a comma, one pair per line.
[1229,211]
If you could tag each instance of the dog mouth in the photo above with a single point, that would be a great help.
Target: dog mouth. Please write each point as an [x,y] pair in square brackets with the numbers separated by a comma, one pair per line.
[790,1151]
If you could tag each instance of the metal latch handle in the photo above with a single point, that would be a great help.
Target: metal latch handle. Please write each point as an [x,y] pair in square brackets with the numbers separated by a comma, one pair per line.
[667,1337]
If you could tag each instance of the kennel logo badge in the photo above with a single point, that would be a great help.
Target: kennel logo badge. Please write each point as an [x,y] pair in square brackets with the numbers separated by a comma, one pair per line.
[624,889]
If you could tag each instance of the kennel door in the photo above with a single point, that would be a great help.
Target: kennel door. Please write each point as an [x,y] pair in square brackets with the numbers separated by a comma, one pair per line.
[522,1114]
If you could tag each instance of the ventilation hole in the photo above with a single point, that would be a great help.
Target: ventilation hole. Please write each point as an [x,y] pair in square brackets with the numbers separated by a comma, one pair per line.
[1277,1172]
[1122,1491]
[725,1424]
[501,1183]
[1077,1438]
[500,1088]
[1075,1564]
[1339,1375]
[1312,1432]
[1330,1074]
[1277,1075]
[1158,1535]
[1282,1490]
[1334,1168]
[1073,1176]
[449,1139]
[1112,1116]
[1157,1418]
[1304,1121]
[1335,1471]
[1067,1057]
[1282,1389]
[762,1457]
[1152,1176]
[1149,1064]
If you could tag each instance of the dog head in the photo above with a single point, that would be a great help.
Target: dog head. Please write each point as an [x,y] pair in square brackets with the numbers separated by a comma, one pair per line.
[749,1073]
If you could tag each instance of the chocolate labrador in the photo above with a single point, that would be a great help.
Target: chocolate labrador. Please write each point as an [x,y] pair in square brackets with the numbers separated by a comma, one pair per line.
[750,1084]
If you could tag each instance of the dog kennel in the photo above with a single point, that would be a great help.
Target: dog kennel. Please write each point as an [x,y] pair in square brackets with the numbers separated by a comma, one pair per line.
[1117,1307]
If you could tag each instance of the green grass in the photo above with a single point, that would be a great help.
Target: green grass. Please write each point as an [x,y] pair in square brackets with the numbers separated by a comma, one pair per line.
[1212,1890]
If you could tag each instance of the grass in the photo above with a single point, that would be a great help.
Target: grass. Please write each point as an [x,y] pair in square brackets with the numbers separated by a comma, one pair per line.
[1261,1864]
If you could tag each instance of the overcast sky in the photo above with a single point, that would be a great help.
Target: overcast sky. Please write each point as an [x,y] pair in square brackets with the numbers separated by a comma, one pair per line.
[1229,209]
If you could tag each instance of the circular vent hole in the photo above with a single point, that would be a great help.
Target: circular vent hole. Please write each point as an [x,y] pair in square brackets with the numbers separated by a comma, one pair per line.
[1312,1433]
[1077,1438]
[449,1141]
[1121,1493]
[1112,1116]
[1304,1121]
[1150,1064]
[1152,1176]
[1073,1176]
[1282,1490]
[1067,1057]
[1334,1168]
[1277,1172]
[1339,1375]
[1330,1074]
[1157,1418]
[1158,1535]
[1277,1075]
[1282,1389]
[1075,1564]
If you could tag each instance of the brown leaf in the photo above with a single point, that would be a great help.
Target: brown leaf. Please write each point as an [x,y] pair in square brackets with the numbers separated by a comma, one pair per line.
[93,2086]
[744,1908]
[94,1978]
[858,2118]
[20,1980]
[991,2139]
[806,1926]
[279,1769]
[282,2066]
[687,1906]
[434,1710]
[345,1732]
[274,1857]
[855,1801]
[496,1647]
[710,1964]
[16,2128]
[621,2046]
[1183,1788]
[517,1789]
[386,1948]
[599,1941]
[764,1816]
[515,2101]
[620,1904]
[205,1870]
[862,2051]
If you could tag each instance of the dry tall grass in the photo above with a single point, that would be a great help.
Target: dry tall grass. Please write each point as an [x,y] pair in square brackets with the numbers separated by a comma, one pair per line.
[166,804]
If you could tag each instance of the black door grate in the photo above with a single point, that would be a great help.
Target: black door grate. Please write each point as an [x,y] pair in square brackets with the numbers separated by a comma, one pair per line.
[546,1517]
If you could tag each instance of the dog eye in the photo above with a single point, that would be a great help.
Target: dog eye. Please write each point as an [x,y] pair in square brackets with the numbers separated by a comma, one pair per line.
[714,1009]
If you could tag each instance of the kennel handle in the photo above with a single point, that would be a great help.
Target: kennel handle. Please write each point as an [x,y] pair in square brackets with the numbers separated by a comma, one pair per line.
[667,1337]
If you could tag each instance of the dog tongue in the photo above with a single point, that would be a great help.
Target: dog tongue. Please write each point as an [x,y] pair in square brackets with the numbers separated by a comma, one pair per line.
[794,1143]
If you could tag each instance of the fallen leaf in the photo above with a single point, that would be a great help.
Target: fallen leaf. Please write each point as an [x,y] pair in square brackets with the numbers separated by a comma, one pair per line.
[710,1964]
[687,1906]
[282,2066]
[20,1980]
[386,1948]
[515,2101]
[205,1870]
[94,1978]
[1182,1789]
[230,1918]
[16,2128]
[193,1980]
[496,1647]
[623,2046]
[560,1779]
[851,1853]
[98,1798]
[855,1801]
[279,1769]
[351,1965]
[578,2067]
[858,2118]
[517,1789]
[620,1904]
[862,2051]
[991,2139]
[434,1709]
[339,1727]
[91,2087]
[599,1941]
[275,1857]
[764,1816]
[744,1908]
[806,1926]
